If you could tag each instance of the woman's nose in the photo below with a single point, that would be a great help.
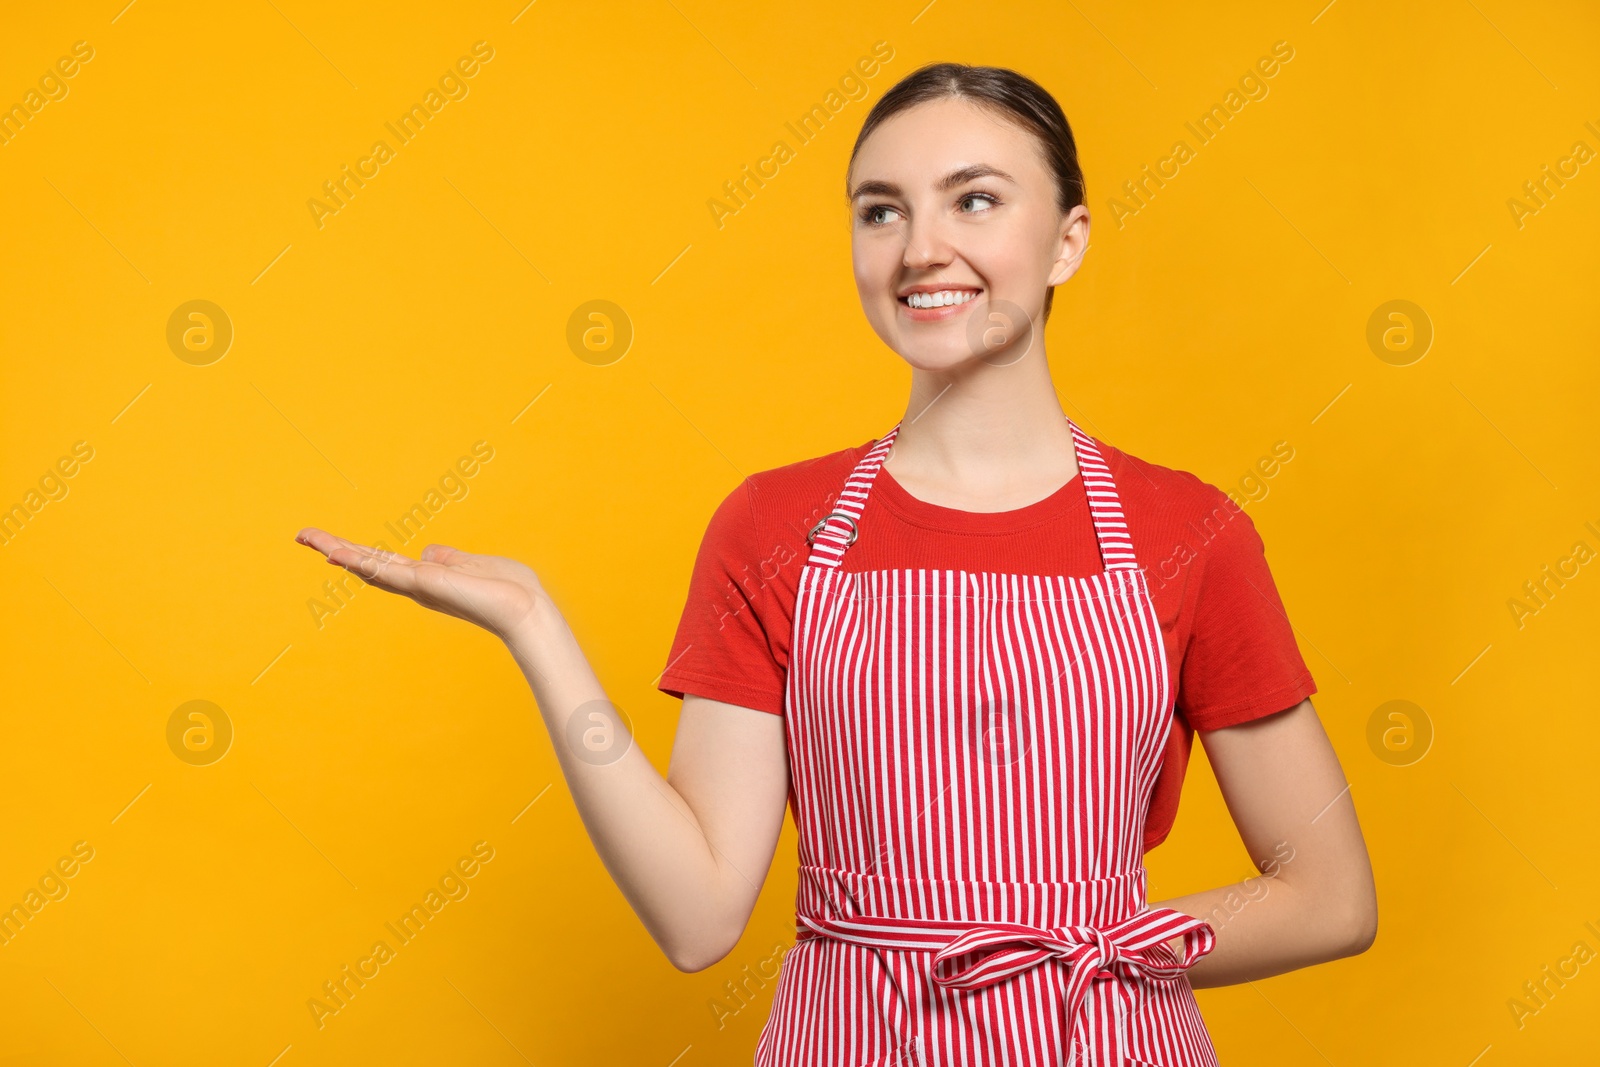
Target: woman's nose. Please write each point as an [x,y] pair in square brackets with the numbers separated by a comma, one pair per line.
[927,245]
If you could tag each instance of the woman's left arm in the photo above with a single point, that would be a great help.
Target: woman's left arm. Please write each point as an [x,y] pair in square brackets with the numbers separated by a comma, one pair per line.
[1315,900]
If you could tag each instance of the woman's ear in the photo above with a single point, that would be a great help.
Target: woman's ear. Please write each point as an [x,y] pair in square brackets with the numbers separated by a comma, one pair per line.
[1073,242]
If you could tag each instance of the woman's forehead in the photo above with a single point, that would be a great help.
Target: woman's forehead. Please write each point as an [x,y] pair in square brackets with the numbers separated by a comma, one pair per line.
[922,146]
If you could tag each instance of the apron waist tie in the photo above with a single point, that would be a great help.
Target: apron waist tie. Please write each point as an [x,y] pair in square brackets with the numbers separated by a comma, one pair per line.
[975,955]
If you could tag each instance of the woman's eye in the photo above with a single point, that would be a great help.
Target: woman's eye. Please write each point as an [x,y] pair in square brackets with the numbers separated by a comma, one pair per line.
[870,216]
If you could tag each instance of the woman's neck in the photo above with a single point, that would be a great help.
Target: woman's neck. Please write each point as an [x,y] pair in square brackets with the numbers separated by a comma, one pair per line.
[996,440]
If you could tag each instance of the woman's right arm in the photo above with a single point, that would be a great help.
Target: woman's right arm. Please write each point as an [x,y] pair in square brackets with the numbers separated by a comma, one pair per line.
[688,851]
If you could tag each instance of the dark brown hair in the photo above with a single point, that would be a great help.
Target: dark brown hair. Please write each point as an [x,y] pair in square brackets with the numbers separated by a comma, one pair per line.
[1008,94]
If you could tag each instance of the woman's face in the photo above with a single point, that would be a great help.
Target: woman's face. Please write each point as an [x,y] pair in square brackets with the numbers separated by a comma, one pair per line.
[950,198]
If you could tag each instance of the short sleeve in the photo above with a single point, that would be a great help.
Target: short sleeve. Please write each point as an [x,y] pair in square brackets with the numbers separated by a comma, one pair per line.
[1241,661]
[727,647]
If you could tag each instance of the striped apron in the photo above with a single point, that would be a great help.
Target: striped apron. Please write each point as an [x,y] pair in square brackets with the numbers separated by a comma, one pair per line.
[972,756]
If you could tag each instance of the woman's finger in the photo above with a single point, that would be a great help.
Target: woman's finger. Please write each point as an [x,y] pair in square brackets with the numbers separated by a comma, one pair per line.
[362,558]
[388,570]
[442,554]
[488,591]
[321,540]
[325,542]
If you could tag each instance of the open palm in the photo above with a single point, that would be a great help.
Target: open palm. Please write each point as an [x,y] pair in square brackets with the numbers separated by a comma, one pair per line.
[493,592]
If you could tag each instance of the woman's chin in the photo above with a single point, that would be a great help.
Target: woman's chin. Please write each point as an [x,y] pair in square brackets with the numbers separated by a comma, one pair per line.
[956,355]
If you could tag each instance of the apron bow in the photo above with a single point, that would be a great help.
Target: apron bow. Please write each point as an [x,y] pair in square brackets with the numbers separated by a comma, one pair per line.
[972,956]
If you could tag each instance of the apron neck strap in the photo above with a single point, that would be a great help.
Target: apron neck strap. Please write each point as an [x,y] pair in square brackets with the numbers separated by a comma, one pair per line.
[1105,506]
[838,530]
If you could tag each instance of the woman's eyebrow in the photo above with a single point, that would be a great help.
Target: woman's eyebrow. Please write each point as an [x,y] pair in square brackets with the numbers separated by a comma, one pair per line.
[878,187]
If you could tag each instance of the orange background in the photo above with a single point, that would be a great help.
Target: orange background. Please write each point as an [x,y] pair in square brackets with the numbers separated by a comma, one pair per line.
[374,746]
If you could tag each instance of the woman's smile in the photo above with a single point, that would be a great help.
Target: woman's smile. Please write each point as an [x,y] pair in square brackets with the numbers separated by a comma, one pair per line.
[921,304]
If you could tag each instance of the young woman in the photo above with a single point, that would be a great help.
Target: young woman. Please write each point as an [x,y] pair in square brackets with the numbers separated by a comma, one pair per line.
[971,654]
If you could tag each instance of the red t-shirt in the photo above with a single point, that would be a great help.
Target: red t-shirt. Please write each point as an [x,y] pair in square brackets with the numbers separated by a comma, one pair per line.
[1230,650]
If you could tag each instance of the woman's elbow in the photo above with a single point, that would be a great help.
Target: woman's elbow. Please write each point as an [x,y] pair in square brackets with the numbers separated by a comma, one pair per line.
[691,961]
[1364,932]
[697,953]
[1358,928]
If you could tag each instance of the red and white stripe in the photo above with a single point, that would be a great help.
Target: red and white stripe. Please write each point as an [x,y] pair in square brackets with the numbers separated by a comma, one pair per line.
[972,756]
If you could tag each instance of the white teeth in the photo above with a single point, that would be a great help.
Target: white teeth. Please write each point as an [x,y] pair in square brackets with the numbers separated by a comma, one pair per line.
[942,298]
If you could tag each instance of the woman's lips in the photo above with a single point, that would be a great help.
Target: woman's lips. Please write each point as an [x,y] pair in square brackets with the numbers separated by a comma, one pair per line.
[948,311]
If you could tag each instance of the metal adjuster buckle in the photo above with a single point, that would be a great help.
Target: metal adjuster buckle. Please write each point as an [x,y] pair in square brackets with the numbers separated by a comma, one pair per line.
[854,530]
